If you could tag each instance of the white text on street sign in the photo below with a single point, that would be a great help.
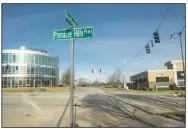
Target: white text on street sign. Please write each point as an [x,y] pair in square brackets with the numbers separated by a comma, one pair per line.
[73,33]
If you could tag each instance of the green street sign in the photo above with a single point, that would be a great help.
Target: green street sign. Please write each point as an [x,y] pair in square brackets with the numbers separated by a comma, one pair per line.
[76,33]
[70,20]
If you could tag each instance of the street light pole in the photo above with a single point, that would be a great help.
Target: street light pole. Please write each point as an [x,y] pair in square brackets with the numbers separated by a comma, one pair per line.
[182,54]
[171,38]
[181,50]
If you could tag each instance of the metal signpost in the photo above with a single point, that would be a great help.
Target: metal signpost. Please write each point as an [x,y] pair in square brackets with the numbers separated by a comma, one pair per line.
[71,34]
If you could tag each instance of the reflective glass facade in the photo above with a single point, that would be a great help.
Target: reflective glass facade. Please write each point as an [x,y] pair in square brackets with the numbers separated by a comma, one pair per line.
[24,68]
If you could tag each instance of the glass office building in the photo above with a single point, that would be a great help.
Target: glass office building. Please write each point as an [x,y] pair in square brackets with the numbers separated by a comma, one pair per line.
[29,68]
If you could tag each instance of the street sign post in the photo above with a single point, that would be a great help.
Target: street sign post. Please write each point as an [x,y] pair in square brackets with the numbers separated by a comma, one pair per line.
[72,83]
[72,34]
[70,20]
[75,33]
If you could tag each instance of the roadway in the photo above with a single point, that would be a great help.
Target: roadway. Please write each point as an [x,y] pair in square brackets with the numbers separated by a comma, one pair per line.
[32,109]
[96,109]
[127,109]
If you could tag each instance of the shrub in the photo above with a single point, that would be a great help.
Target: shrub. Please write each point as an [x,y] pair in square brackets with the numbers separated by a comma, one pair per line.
[173,86]
[182,95]
[163,89]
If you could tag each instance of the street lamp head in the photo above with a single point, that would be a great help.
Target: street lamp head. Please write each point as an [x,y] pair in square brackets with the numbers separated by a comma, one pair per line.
[171,37]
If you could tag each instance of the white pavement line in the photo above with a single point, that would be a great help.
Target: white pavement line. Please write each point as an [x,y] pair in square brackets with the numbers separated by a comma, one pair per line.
[35,106]
[25,98]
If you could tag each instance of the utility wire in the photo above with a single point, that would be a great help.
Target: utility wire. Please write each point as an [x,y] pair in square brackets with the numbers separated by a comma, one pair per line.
[136,55]
[162,19]
[150,39]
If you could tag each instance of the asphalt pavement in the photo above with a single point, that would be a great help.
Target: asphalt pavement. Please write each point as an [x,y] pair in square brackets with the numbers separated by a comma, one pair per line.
[128,109]
[42,109]
[95,108]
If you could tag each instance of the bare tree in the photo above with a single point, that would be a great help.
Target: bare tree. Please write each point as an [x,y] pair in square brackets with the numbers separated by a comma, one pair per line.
[83,82]
[115,79]
[65,78]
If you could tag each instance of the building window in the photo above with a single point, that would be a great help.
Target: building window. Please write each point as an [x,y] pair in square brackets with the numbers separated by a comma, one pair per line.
[180,78]
[25,69]
[21,69]
[13,69]
[4,69]
[29,59]
[40,59]
[32,70]
[17,58]
[9,57]
[25,58]
[5,58]
[162,81]
[8,69]
[37,59]
[180,75]
[46,71]
[43,60]
[36,70]
[50,61]
[14,58]
[28,70]
[43,71]
[32,59]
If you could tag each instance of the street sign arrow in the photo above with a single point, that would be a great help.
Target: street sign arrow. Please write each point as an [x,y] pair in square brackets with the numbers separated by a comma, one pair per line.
[70,20]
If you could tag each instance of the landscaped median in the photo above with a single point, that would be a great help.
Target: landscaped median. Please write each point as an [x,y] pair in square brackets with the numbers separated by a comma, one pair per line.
[113,89]
[37,89]
[179,92]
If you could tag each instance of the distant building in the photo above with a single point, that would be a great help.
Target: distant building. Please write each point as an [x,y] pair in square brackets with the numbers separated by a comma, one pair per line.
[151,79]
[29,68]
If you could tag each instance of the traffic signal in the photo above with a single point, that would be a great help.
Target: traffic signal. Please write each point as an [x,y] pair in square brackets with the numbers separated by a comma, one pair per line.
[92,70]
[156,37]
[16,67]
[100,70]
[147,48]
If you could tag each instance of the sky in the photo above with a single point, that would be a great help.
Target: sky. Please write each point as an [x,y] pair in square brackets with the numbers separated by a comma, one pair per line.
[120,32]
